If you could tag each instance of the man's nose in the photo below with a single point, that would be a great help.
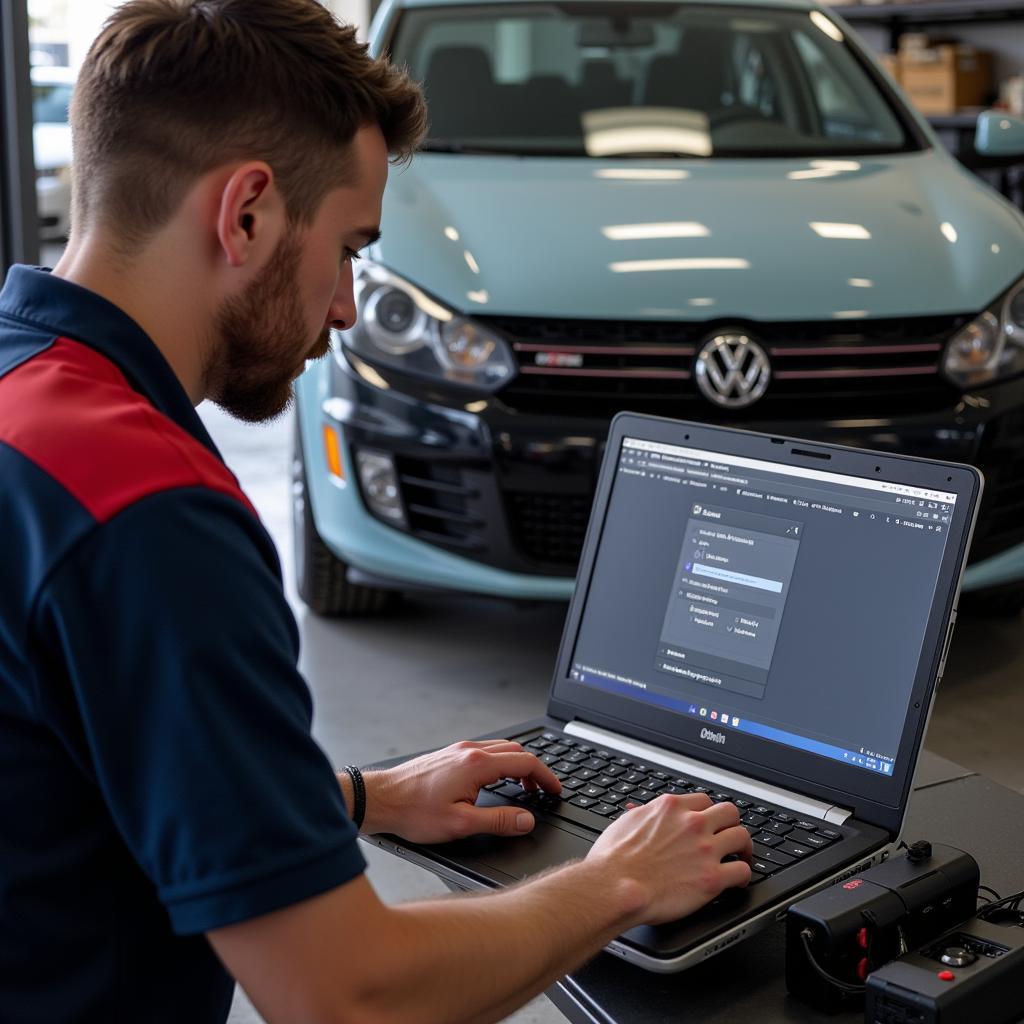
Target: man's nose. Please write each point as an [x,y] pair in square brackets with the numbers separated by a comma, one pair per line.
[342,313]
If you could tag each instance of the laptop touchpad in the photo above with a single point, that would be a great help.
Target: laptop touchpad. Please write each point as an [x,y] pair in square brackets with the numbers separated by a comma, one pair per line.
[520,856]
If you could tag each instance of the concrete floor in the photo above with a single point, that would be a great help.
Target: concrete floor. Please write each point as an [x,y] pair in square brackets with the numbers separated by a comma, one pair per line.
[444,668]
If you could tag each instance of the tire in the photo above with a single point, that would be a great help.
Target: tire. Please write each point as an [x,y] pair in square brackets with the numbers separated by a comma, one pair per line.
[321,578]
[1004,602]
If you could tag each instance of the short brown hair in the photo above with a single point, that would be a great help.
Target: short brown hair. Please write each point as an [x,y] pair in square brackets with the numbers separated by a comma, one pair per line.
[174,88]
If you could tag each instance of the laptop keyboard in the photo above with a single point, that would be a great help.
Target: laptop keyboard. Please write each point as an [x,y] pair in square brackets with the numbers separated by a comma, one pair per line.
[599,786]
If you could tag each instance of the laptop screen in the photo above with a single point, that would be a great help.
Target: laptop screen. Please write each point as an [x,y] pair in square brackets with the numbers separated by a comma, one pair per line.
[781,602]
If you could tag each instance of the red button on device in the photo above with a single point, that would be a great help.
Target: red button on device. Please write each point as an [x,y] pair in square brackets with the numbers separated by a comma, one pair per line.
[946,975]
[862,938]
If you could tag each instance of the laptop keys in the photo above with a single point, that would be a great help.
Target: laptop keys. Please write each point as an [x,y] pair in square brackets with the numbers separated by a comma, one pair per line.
[808,839]
[764,853]
[600,786]
[794,849]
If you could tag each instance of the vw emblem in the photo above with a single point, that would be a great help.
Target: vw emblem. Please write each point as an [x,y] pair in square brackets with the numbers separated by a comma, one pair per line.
[732,370]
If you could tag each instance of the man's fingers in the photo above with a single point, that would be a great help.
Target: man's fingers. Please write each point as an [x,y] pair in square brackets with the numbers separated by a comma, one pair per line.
[694,801]
[735,840]
[735,874]
[520,765]
[489,744]
[496,821]
[723,816]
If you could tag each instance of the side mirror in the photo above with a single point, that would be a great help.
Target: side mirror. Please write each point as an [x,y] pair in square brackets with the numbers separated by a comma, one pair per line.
[999,134]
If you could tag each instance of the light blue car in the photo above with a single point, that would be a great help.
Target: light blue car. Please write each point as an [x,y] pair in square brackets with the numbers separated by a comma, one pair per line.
[718,211]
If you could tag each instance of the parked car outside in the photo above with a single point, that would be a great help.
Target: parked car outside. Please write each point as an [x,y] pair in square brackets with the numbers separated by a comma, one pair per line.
[720,211]
[51,138]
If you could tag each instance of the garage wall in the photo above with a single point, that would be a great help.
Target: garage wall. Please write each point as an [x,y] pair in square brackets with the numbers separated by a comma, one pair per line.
[1005,40]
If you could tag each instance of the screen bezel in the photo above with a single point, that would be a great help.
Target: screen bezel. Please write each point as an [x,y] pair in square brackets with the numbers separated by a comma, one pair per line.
[878,799]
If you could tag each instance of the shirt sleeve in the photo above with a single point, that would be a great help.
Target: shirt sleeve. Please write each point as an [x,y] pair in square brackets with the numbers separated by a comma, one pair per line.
[168,631]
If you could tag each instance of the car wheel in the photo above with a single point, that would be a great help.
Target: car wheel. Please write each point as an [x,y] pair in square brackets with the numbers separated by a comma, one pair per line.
[321,578]
[994,602]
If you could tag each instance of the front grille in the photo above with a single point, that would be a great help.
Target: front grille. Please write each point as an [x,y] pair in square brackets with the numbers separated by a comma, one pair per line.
[549,528]
[440,505]
[596,368]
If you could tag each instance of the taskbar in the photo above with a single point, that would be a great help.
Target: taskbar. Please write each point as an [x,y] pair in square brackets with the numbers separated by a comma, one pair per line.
[713,716]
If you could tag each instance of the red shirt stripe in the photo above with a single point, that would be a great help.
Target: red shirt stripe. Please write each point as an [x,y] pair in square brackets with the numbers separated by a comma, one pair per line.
[71,411]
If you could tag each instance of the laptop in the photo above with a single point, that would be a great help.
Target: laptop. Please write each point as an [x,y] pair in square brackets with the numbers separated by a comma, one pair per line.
[758,618]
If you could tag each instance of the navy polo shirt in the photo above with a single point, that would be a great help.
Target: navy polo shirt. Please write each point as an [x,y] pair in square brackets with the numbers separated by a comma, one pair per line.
[159,778]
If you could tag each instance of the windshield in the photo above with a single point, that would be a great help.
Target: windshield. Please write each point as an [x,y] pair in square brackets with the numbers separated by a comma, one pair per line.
[50,103]
[640,79]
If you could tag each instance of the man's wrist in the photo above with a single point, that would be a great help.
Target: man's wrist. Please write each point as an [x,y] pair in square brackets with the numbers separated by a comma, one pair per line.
[627,898]
[379,816]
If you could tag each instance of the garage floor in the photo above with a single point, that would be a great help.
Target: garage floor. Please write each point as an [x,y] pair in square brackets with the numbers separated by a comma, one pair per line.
[442,669]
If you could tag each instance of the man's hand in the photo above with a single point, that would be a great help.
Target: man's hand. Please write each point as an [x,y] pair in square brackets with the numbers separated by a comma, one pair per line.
[671,851]
[431,798]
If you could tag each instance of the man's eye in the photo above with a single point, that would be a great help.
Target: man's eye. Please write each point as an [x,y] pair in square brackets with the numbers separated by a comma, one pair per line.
[352,255]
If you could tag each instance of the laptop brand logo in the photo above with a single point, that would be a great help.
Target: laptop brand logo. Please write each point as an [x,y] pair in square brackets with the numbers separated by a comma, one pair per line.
[732,370]
[712,737]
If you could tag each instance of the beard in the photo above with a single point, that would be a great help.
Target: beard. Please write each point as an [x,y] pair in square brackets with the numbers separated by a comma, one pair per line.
[260,342]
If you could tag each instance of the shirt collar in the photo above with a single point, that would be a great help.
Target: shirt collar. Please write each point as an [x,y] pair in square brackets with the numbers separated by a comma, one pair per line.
[35,296]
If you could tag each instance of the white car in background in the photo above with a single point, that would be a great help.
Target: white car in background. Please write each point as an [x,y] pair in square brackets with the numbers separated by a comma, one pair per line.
[51,140]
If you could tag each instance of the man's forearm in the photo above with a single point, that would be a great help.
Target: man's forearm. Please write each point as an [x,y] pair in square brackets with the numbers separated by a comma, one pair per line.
[476,958]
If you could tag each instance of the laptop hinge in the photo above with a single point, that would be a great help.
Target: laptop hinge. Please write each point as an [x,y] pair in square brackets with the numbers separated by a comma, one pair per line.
[786,798]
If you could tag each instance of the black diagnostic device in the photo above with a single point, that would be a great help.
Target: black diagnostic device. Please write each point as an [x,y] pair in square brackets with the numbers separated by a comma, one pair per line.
[837,937]
[972,974]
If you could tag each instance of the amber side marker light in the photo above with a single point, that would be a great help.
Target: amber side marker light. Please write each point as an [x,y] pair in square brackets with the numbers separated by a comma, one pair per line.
[332,451]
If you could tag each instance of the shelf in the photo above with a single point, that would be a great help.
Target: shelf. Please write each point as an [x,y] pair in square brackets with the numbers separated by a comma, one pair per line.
[938,12]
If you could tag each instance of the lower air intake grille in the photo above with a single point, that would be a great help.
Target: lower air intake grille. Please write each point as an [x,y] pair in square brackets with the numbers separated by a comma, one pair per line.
[549,528]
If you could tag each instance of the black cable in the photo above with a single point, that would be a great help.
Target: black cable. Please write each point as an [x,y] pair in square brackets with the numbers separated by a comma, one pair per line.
[990,891]
[1011,902]
[844,986]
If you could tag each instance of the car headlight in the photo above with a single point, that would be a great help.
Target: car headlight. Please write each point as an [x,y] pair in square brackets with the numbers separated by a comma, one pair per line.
[398,325]
[991,346]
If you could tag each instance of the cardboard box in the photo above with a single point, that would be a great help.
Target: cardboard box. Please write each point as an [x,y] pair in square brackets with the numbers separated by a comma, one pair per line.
[942,79]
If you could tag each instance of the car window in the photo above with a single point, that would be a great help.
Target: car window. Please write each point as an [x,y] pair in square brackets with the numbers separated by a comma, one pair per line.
[845,111]
[643,80]
[50,103]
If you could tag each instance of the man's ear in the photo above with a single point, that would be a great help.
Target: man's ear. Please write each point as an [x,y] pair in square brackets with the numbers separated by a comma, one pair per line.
[251,216]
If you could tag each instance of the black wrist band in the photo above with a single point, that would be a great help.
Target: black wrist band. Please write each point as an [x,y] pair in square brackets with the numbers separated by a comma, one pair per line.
[358,794]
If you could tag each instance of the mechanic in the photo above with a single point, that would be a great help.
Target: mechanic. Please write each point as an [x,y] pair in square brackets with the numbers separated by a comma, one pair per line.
[168,823]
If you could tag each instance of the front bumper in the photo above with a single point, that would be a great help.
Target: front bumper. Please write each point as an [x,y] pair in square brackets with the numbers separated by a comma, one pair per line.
[498,501]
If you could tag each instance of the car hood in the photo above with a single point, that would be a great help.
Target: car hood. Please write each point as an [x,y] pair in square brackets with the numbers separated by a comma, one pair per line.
[905,235]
